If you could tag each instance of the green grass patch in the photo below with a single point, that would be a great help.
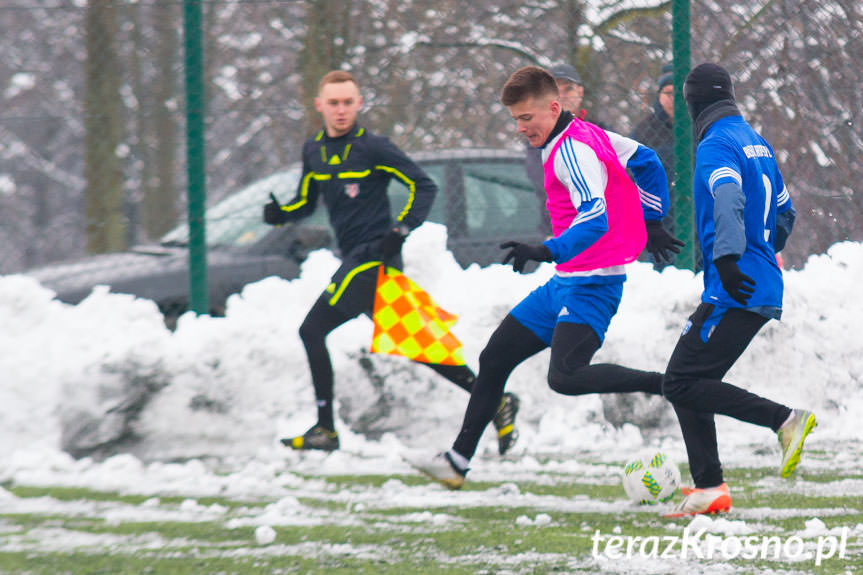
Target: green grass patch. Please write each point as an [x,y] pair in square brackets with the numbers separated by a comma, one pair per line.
[381,534]
[82,493]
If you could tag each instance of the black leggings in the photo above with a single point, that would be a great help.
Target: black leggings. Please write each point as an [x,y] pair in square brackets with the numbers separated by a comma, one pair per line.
[325,316]
[693,384]
[569,373]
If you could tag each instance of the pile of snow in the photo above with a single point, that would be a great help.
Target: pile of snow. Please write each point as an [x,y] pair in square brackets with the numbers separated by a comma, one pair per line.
[230,387]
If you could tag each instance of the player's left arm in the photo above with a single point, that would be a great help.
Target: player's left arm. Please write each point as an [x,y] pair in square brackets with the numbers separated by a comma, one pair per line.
[652,183]
[725,184]
[421,188]
[647,171]
[785,215]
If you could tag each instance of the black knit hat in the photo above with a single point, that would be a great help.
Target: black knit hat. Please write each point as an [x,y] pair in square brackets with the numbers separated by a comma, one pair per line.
[708,83]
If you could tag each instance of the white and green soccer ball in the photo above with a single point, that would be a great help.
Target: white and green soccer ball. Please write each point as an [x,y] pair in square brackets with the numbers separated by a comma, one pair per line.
[651,478]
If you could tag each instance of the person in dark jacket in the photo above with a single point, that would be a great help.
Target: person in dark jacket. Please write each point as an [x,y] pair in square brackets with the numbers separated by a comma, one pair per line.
[350,168]
[655,131]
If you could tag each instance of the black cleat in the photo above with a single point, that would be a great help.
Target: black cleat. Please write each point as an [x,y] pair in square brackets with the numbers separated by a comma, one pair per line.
[504,422]
[315,438]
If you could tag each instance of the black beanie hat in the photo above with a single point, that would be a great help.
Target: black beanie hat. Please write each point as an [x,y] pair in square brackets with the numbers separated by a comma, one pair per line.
[708,83]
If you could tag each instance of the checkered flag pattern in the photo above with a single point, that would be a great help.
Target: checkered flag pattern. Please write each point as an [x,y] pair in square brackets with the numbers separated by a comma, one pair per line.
[409,323]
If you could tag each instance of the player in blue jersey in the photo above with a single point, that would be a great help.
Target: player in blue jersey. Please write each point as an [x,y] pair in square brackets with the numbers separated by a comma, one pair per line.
[743,216]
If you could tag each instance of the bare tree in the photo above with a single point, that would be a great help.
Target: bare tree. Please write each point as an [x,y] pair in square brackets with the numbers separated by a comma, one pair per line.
[431,74]
[327,37]
[160,194]
[103,120]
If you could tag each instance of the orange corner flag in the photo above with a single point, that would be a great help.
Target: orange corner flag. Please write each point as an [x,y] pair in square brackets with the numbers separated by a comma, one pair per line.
[409,323]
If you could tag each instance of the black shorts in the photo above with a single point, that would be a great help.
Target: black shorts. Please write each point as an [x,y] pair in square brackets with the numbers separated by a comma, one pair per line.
[352,288]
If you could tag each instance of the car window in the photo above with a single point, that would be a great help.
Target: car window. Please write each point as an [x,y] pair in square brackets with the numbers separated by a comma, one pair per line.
[398,193]
[500,199]
[237,220]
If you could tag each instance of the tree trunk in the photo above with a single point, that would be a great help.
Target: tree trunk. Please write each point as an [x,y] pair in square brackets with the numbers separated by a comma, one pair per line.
[160,201]
[324,49]
[103,172]
[141,140]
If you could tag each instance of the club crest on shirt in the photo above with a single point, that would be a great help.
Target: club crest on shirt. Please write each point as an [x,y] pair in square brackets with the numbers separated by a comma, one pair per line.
[352,190]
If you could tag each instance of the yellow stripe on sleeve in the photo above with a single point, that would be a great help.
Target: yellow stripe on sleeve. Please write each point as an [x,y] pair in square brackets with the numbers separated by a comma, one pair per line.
[412,188]
[304,191]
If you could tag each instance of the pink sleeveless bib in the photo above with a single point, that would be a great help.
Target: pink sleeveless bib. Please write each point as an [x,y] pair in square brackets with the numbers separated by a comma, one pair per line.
[626,235]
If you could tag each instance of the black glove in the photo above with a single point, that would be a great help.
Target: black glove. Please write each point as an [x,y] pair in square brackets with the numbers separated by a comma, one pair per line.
[521,253]
[273,212]
[738,285]
[661,244]
[391,243]
[784,225]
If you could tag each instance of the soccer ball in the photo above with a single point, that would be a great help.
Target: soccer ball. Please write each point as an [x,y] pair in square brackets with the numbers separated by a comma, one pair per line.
[651,478]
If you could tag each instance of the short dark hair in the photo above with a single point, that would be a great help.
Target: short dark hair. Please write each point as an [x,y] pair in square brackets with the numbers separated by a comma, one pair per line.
[528,82]
[336,77]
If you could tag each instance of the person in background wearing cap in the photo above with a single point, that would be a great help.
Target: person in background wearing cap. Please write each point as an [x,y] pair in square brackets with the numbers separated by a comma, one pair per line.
[743,215]
[655,131]
[570,88]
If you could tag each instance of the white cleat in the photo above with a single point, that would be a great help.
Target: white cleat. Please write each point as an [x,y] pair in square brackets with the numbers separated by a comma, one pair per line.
[439,467]
[791,437]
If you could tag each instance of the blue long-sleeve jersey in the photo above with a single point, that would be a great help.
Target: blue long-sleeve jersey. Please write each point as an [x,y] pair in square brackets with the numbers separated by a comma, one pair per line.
[738,193]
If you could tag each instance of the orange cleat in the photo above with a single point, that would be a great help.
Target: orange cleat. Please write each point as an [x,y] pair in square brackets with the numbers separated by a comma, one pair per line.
[711,500]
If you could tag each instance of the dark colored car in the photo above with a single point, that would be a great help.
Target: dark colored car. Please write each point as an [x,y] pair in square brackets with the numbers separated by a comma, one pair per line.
[485,198]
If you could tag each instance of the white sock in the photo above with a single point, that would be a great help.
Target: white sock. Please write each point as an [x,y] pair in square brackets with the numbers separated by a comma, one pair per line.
[790,417]
[460,460]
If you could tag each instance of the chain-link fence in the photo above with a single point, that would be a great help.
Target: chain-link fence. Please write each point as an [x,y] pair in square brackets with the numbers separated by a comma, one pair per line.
[92,122]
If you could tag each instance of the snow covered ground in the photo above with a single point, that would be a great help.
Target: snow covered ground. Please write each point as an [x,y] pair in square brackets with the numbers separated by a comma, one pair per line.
[221,391]
[231,386]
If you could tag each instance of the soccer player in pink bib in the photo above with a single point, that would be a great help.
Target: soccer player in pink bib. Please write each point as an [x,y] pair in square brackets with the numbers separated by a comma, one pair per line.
[601,220]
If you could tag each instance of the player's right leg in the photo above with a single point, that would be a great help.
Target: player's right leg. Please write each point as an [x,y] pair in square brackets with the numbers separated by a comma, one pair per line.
[346,297]
[504,419]
[509,345]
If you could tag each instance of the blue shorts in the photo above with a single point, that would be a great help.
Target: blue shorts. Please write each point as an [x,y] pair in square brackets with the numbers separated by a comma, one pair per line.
[572,300]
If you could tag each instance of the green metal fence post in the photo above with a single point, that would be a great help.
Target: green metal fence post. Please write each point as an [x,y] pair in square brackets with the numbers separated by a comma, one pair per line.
[197,186]
[684,220]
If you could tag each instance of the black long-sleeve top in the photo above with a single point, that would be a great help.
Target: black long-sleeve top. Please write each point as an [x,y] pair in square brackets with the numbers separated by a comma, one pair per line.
[353,172]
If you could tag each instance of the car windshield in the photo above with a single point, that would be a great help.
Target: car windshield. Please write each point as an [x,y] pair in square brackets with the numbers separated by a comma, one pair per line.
[237,219]
[488,198]
[500,199]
